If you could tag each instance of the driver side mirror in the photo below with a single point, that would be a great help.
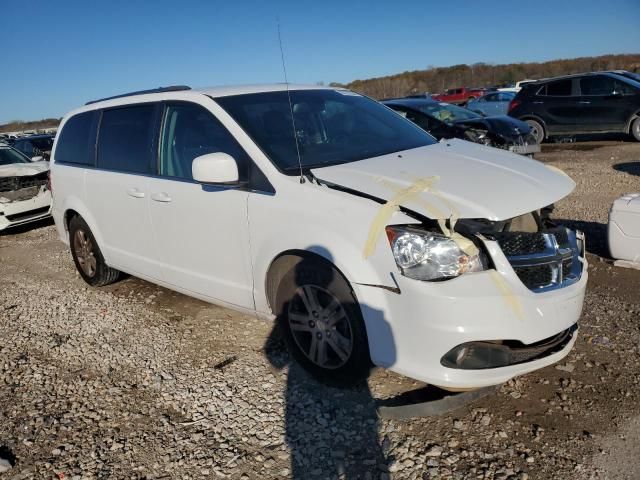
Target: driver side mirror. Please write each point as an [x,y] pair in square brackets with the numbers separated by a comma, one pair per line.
[216,168]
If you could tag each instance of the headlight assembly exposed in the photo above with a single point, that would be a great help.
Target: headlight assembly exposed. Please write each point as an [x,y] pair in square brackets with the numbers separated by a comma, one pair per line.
[426,255]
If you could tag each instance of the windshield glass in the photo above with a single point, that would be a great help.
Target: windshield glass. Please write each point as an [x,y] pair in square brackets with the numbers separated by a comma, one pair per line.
[331,126]
[9,156]
[447,113]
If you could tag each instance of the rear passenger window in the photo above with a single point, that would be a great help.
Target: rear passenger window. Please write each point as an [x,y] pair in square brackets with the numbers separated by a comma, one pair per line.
[559,88]
[190,131]
[125,141]
[77,141]
[597,85]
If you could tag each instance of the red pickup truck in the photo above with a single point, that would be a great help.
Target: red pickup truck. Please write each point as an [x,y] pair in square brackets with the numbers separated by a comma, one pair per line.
[459,95]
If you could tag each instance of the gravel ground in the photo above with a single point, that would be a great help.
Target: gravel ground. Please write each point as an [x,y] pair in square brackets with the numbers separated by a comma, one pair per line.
[135,381]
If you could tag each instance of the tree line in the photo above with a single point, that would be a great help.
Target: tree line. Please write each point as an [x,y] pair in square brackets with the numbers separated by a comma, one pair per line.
[438,79]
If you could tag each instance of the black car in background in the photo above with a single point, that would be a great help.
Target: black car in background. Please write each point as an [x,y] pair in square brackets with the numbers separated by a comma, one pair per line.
[600,102]
[443,120]
[35,146]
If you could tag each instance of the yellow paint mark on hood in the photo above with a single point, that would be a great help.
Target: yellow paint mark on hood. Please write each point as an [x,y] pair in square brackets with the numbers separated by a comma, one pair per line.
[392,205]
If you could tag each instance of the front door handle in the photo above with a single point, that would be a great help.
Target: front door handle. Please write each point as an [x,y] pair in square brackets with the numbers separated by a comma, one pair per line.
[135,193]
[161,197]
[538,103]
[585,103]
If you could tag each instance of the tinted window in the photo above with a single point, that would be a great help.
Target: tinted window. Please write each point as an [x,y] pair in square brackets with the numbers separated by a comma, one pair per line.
[505,97]
[597,85]
[125,141]
[9,156]
[43,144]
[24,146]
[559,88]
[190,131]
[77,140]
[331,127]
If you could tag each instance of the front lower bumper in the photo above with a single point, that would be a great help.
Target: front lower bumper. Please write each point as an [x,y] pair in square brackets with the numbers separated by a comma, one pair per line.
[528,149]
[25,211]
[411,331]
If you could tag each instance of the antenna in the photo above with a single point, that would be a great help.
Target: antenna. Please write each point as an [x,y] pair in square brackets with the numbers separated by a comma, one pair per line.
[293,121]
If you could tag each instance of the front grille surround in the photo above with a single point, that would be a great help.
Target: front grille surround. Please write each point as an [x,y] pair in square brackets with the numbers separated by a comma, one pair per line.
[544,260]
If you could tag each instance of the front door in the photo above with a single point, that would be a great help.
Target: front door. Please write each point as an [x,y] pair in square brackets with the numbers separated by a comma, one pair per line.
[201,231]
[604,102]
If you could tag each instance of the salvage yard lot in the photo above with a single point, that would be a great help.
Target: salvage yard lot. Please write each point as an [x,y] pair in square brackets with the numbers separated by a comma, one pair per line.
[135,381]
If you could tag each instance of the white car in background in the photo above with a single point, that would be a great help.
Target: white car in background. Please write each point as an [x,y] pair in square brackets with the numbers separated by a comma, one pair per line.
[517,87]
[24,189]
[371,242]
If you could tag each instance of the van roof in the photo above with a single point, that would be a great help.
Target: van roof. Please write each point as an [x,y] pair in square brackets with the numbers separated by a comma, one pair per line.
[221,91]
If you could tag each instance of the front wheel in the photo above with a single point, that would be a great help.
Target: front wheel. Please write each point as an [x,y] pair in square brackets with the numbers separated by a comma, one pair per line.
[322,323]
[537,130]
[635,129]
[87,256]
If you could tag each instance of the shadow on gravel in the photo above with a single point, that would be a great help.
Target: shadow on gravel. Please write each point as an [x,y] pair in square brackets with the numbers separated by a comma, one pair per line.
[332,432]
[7,455]
[632,168]
[595,235]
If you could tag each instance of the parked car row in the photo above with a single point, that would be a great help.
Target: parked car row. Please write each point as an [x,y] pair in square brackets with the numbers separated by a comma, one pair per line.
[37,147]
[444,121]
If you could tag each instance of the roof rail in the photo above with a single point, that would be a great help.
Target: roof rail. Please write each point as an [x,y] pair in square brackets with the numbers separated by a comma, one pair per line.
[172,88]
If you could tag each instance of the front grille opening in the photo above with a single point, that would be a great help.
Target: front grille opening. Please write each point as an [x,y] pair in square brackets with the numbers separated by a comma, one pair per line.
[536,276]
[520,243]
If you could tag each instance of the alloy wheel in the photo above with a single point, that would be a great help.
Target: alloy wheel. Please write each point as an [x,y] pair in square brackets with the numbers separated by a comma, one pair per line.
[320,327]
[83,248]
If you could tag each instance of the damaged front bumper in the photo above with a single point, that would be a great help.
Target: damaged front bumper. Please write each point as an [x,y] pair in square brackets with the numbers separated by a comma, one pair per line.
[530,326]
[24,205]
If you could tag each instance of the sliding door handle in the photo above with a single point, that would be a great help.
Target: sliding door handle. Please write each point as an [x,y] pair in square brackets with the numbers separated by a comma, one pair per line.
[161,197]
[135,193]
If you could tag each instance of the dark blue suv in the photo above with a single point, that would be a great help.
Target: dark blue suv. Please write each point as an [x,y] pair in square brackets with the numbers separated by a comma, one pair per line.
[599,102]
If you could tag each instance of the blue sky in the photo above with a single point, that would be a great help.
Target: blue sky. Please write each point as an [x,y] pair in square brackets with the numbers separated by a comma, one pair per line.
[57,55]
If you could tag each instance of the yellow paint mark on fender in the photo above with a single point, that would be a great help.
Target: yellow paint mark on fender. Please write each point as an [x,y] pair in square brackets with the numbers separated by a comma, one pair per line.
[390,207]
[509,297]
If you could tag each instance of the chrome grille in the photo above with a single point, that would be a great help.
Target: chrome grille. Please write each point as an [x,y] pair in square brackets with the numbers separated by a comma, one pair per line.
[544,260]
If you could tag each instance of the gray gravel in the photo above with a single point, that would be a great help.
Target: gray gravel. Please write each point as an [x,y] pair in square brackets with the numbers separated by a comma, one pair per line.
[135,381]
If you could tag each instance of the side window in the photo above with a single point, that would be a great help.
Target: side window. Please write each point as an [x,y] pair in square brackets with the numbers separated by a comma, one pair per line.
[559,88]
[77,141]
[419,119]
[492,97]
[190,131]
[504,97]
[624,88]
[597,85]
[125,140]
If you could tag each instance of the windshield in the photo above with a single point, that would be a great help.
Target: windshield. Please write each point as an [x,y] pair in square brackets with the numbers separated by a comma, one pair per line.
[447,113]
[10,155]
[332,127]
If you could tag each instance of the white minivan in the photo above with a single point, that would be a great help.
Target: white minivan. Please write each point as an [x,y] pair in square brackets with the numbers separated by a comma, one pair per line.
[369,241]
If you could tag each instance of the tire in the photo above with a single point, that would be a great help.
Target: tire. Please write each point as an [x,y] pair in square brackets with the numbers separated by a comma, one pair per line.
[87,256]
[537,130]
[635,129]
[331,347]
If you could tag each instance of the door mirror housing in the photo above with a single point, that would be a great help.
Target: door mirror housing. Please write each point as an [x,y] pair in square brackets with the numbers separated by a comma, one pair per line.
[216,169]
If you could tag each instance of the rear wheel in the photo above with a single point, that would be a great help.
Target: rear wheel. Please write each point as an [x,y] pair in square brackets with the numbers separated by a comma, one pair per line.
[537,130]
[635,129]
[322,323]
[87,256]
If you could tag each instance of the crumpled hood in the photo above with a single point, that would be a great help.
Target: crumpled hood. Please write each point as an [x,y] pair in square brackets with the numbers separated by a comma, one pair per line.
[503,125]
[455,178]
[23,169]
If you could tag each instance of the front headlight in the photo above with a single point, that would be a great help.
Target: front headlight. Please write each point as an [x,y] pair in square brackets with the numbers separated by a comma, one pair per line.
[426,255]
